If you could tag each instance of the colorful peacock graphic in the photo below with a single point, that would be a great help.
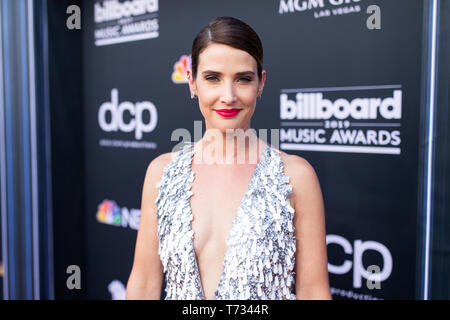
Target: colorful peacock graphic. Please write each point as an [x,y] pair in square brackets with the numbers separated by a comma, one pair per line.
[109,213]
[179,74]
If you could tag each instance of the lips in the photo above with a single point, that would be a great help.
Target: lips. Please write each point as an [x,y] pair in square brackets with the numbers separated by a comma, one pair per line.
[227,113]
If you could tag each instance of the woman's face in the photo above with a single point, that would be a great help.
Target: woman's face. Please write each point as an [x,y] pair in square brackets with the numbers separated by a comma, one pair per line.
[226,79]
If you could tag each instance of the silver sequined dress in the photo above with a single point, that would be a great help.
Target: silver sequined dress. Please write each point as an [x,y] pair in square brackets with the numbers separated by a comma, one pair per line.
[259,259]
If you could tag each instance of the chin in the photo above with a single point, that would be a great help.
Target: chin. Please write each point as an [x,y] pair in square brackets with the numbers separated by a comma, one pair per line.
[224,125]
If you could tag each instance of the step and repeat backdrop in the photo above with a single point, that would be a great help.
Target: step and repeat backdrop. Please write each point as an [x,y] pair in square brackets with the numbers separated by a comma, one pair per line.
[343,85]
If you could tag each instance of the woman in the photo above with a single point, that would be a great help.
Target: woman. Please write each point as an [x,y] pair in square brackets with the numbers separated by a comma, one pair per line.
[220,230]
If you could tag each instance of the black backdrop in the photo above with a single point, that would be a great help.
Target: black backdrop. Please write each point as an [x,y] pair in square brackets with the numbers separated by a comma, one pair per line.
[370,194]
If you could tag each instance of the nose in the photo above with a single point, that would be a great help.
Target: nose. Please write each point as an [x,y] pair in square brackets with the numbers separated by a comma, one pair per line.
[228,94]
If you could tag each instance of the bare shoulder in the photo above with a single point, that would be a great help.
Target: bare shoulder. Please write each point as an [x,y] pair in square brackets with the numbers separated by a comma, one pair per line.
[301,173]
[296,166]
[161,161]
[156,166]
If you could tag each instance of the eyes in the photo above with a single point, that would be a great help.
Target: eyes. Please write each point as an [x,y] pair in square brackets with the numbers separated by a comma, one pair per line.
[215,79]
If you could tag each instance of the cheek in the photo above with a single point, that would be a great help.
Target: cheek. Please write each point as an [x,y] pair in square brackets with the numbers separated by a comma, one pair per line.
[248,95]
[207,96]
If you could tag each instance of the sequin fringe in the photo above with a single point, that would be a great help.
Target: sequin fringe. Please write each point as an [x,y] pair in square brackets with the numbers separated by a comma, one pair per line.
[260,256]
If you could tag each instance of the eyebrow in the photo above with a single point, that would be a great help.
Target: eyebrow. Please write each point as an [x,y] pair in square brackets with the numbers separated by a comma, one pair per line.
[238,73]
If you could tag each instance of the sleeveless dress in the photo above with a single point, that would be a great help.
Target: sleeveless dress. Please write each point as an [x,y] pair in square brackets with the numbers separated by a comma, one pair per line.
[259,258]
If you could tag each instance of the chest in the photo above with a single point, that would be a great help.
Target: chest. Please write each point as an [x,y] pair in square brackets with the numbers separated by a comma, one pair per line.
[217,195]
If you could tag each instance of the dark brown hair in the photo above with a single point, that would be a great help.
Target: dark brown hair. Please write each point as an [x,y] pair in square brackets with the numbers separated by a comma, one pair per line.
[232,32]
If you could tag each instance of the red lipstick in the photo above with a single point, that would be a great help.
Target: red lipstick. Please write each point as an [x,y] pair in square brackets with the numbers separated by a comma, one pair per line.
[227,113]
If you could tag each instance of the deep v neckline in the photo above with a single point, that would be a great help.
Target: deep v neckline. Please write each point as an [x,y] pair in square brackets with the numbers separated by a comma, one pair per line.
[233,223]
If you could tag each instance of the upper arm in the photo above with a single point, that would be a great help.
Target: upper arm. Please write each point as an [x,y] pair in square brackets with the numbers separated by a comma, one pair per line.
[146,275]
[311,264]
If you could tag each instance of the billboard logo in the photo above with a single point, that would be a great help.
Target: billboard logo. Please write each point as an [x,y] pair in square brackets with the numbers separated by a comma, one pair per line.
[179,74]
[116,112]
[363,119]
[314,106]
[124,21]
[108,212]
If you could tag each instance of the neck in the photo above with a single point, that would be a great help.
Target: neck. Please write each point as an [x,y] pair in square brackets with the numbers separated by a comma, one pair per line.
[232,147]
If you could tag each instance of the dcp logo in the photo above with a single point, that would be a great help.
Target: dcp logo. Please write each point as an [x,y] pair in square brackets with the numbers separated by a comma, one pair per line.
[136,123]
[359,271]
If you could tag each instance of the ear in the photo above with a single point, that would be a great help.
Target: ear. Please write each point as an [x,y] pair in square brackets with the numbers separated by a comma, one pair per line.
[262,82]
[191,82]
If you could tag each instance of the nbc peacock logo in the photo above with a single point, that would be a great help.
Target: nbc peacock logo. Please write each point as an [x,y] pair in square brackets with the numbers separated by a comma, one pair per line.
[109,212]
[179,74]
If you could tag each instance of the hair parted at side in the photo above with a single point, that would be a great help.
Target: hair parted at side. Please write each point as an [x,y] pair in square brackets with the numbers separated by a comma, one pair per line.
[232,32]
